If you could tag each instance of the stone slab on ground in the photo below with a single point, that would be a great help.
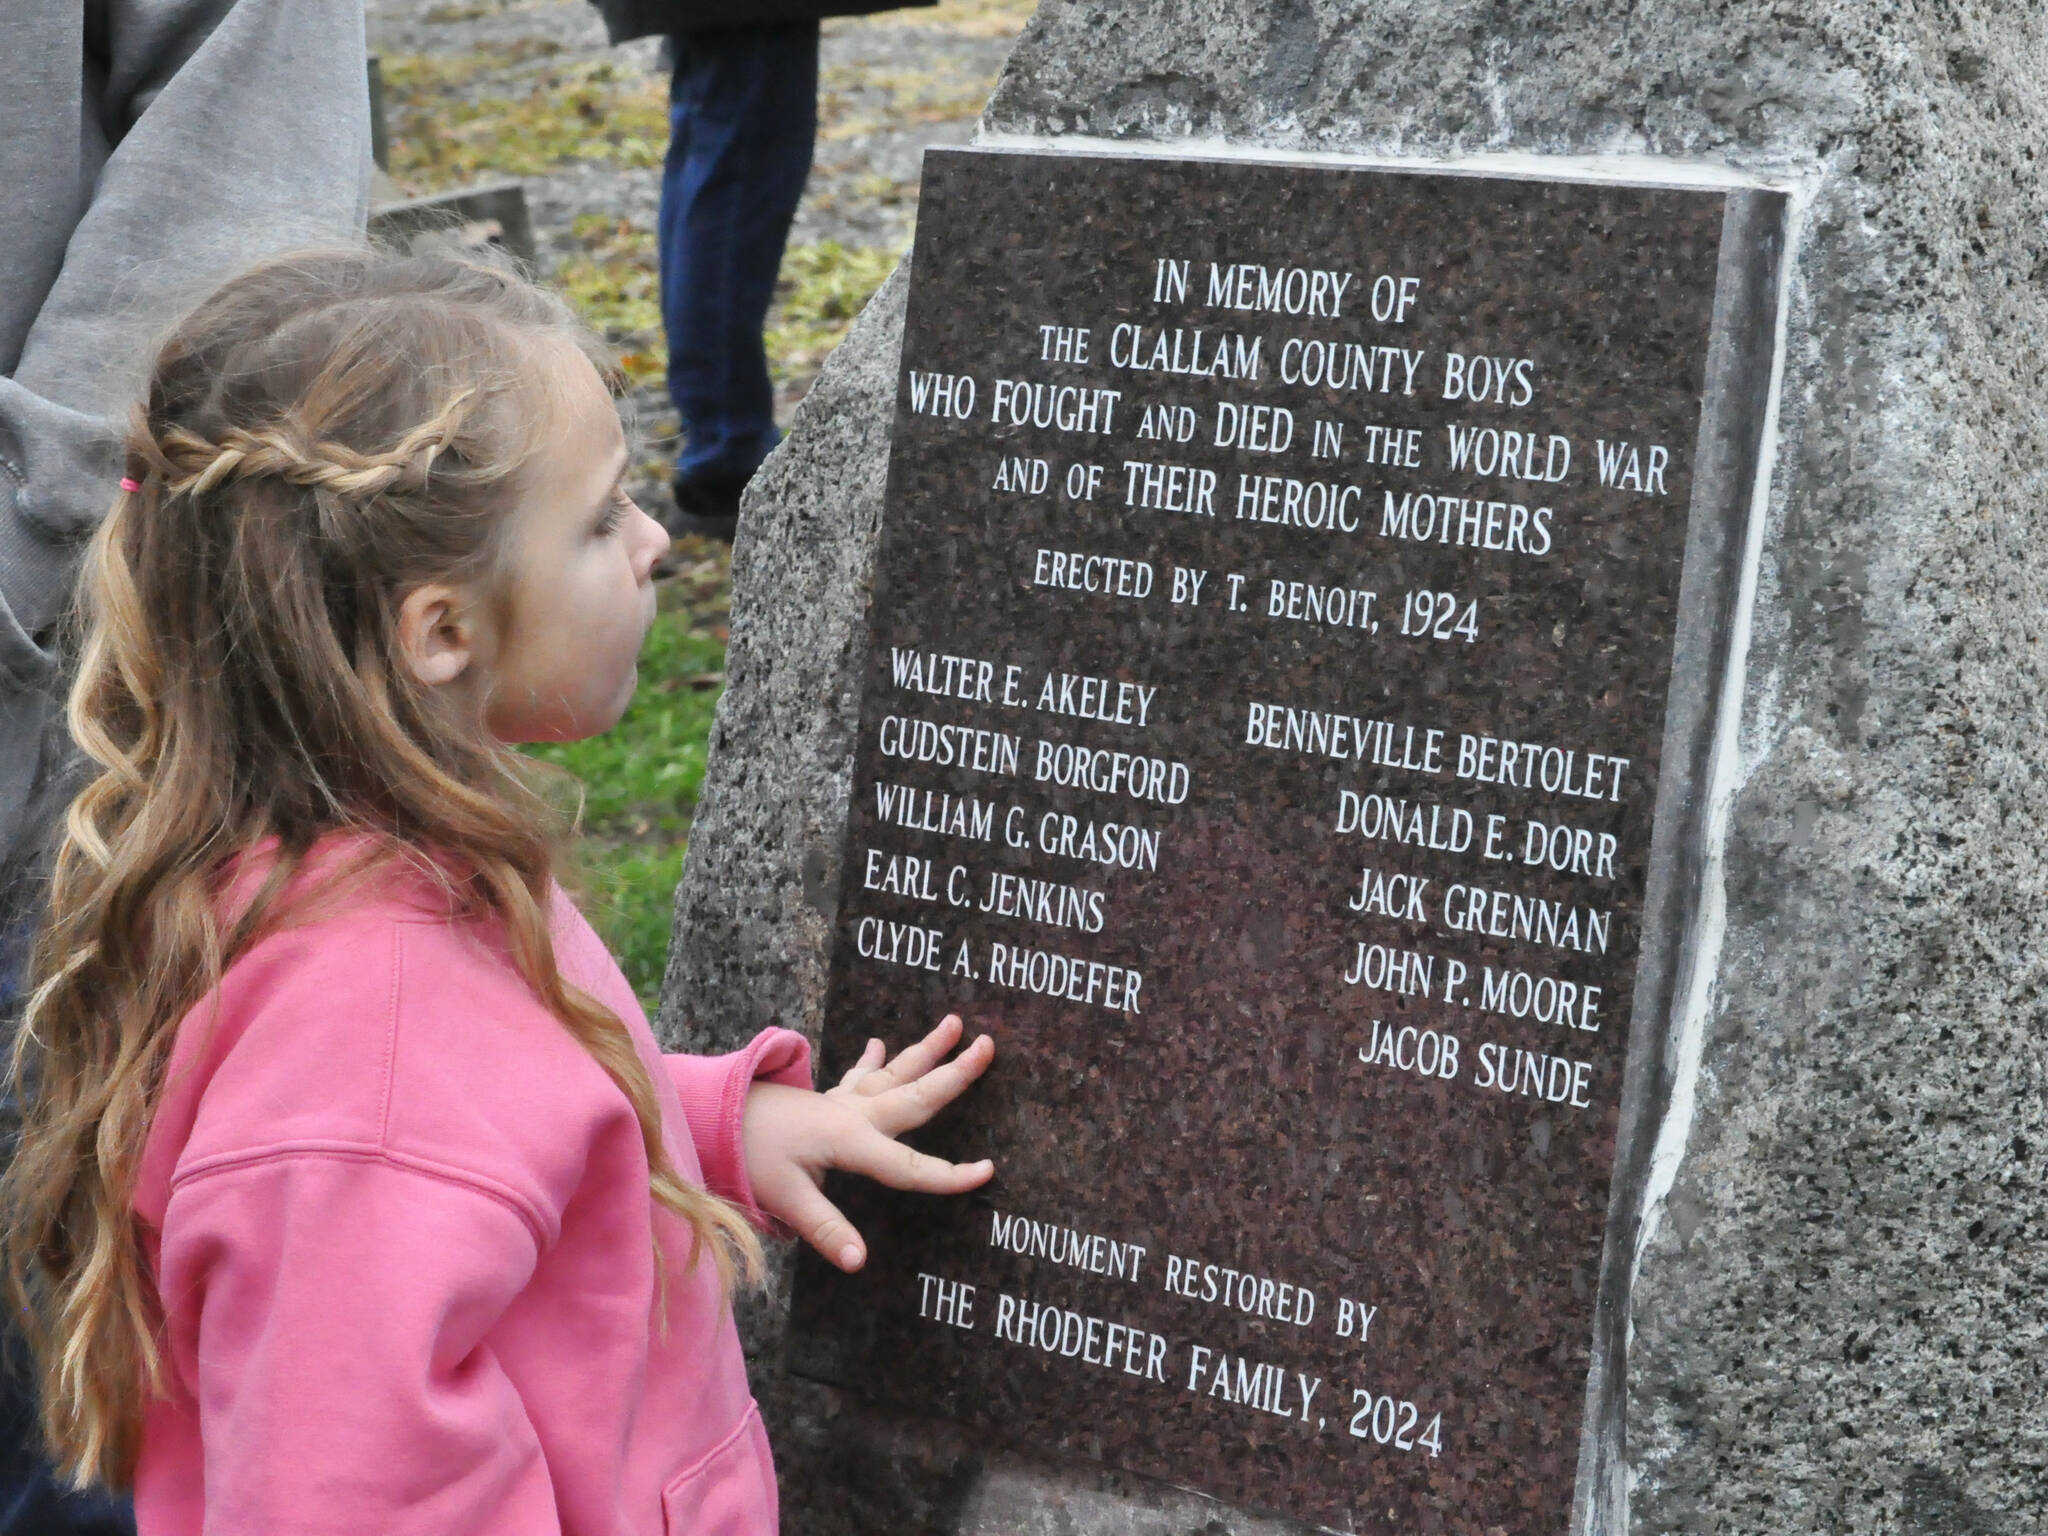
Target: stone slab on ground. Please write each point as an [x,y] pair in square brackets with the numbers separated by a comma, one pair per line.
[490,213]
[1836,1323]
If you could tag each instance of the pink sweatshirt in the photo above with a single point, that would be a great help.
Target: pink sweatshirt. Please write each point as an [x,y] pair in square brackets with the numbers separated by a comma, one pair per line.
[401,1227]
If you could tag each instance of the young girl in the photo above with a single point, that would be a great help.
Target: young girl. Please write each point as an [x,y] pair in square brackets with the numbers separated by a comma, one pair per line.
[355,1195]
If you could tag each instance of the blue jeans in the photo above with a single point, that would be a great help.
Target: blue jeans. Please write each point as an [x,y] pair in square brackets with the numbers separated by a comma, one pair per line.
[743,111]
[32,1501]
[16,934]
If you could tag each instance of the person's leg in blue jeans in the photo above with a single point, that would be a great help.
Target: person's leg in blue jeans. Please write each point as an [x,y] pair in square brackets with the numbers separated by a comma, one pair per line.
[743,112]
[32,1501]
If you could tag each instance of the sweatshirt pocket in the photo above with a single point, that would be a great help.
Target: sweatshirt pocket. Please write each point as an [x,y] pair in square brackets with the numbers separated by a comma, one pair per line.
[728,1492]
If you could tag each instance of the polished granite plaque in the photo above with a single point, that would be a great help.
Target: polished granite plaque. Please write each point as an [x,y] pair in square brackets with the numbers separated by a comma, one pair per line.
[1299,617]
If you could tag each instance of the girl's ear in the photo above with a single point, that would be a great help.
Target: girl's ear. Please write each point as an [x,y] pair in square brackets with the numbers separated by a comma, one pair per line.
[436,634]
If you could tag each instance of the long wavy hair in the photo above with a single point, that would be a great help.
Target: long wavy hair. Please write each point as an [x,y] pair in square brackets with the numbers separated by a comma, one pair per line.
[320,437]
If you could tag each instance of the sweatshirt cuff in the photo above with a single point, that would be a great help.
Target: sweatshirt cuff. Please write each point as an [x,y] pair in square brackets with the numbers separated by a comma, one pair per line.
[714,1094]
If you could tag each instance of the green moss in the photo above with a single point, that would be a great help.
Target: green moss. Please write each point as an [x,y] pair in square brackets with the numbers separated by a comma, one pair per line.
[442,136]
[886,190]
[823,287]
[615,284]
[456,13]
[856,101]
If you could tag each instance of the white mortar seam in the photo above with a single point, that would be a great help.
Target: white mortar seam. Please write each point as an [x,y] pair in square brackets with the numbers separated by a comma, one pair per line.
[1728,775]
[1725,779]
[1621,169]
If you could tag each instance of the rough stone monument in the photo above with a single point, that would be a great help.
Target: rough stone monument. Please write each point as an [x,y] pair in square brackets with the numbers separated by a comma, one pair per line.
[1768,1262]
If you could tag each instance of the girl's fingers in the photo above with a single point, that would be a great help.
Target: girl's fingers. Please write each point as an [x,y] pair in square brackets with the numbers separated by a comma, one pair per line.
[900,1167]
[871,1057]
[906,1108]
[819,1222]
[916,1060]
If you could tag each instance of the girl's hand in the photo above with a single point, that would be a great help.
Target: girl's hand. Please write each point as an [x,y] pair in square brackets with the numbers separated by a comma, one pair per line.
[793,1136]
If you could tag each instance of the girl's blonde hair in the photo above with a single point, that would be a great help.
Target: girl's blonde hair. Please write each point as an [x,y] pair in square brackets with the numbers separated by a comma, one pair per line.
[326,433]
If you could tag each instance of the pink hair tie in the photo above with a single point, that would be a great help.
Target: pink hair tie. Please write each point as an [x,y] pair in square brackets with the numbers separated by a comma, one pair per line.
[130,485]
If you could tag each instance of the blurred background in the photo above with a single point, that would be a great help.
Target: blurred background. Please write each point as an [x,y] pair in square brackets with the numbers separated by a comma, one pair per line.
[477,91]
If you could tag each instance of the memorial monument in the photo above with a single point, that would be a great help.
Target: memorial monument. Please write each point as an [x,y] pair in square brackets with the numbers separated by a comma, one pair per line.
[1415,655]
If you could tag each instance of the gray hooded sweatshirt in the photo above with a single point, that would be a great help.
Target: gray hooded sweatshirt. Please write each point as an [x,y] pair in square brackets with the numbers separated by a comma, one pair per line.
[148,150]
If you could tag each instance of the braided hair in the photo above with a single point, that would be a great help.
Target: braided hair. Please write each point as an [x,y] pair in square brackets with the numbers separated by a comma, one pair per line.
[320,437]
[195,466]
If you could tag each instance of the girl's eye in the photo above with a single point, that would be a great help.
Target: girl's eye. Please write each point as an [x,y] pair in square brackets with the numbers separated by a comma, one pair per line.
[614,515]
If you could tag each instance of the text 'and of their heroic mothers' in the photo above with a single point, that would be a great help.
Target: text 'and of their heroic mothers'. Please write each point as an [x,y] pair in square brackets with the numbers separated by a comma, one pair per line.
[1272,637]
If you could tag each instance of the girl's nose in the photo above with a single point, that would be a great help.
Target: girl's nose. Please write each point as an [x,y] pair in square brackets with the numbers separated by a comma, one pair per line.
[650,542]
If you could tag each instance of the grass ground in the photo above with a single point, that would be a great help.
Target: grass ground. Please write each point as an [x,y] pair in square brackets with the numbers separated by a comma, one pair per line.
[641,778]
[478,89]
